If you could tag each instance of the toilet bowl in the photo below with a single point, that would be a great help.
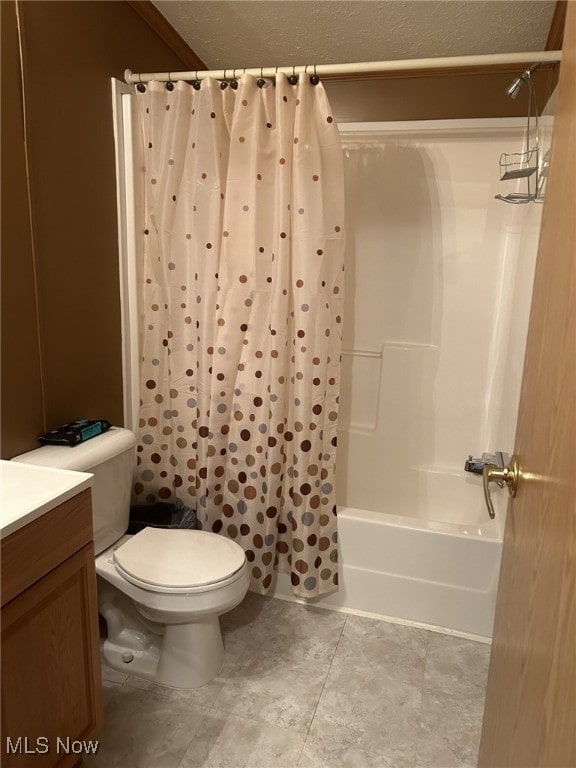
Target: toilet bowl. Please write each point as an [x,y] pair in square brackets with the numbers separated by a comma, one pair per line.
[160,591]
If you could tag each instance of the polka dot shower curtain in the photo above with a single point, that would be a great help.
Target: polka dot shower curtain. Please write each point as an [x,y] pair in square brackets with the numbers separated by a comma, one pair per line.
[241,310]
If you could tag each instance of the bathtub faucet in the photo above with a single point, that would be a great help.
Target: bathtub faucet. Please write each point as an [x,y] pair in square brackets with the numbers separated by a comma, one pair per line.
[476,466]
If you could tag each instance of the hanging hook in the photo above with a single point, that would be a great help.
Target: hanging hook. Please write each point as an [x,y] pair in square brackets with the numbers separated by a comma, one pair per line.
[196,84]
[140,87]
[169,84]
[293,79]
[314,79]
[234,82]
[261,82]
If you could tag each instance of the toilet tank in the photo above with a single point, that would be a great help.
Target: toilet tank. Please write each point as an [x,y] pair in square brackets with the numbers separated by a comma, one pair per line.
[110,458]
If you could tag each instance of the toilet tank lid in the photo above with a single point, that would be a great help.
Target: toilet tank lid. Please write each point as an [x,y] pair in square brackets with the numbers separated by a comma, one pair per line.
[84,456]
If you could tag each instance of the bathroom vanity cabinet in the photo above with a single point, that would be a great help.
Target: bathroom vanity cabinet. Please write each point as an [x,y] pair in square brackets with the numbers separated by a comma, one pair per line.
[51,684]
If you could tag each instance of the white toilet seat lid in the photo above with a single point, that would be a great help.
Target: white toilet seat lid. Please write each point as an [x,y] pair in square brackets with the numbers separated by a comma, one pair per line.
[161,559]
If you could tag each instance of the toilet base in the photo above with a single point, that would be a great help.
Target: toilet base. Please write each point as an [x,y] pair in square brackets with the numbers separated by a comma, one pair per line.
[185,656]
[177,655]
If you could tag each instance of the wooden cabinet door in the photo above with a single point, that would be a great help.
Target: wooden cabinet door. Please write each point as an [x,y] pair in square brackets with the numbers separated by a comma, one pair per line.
[530,716]
[51,666]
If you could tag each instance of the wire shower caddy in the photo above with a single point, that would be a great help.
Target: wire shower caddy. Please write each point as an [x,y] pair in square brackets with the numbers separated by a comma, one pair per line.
[529,164]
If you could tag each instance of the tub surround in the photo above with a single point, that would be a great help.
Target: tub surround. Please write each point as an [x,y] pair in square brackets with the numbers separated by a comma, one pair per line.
[438,284]
[28,492]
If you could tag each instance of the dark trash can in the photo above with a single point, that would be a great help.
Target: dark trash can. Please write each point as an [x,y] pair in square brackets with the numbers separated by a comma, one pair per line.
[161,515]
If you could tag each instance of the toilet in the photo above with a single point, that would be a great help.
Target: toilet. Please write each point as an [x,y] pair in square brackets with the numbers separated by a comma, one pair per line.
[160,591]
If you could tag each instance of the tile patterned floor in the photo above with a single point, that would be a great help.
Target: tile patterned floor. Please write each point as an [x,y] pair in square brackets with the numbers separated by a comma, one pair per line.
[307,688]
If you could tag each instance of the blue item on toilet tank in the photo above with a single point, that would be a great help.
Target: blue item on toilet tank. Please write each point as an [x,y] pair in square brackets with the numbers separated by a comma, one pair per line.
[75,432]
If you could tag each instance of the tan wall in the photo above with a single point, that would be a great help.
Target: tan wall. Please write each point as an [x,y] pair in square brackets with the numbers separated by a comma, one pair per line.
[22,410]
[61,353]
[435,97]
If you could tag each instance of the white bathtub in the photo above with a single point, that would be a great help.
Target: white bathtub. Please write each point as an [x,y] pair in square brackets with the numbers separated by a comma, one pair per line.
[441,575]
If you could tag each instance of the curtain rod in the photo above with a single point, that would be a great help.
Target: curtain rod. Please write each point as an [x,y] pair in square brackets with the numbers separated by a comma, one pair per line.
[355,68]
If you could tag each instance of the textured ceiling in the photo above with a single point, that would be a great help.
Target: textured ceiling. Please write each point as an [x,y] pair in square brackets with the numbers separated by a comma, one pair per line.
[254,33]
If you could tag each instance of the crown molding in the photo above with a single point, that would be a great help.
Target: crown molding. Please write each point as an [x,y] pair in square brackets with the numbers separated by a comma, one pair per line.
[156,21]
[556,33]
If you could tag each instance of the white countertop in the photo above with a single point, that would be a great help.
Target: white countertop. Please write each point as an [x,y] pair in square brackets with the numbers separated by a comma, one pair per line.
[28,491]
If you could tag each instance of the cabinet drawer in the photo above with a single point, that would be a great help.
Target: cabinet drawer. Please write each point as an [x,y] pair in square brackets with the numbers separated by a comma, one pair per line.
[40,546]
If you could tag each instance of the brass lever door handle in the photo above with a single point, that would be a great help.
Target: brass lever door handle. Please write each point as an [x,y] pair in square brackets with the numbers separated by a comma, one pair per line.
[510,474]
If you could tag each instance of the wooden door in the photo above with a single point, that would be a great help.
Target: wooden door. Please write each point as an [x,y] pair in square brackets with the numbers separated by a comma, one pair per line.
[530,715]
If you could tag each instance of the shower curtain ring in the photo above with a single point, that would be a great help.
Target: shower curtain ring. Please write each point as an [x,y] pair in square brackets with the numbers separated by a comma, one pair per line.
[261,82]
[196,84]
[293,79]
[140,87]
[234,82]
[314,79]
[169,84]
[224,83]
